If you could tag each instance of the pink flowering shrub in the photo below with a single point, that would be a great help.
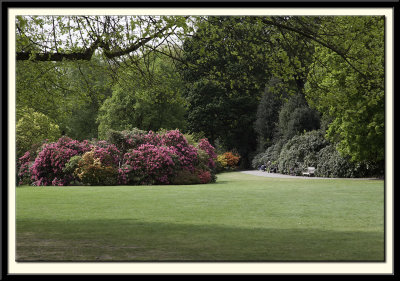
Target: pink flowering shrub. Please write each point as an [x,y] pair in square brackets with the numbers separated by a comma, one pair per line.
[186,153]
[127,140]
[210,150]
[108,154]
[134,157]
[204,176]
[50,162]
[24,166]
[148,164]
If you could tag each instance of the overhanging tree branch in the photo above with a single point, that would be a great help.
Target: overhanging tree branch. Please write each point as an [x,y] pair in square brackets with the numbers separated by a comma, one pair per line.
[86,54]
[315,39]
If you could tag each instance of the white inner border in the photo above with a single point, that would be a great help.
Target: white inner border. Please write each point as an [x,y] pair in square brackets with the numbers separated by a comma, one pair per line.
[207,267]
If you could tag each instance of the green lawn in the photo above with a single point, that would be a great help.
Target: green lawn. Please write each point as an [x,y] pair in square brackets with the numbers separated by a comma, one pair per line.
[239,218]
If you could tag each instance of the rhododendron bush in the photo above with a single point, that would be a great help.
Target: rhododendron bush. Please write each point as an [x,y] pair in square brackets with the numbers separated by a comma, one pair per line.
[228,161]
[127,157]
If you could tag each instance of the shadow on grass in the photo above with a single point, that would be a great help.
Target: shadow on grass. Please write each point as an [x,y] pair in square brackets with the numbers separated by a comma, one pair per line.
[132,240]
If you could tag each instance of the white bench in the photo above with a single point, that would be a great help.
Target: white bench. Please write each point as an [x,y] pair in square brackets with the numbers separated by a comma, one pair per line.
[310,171]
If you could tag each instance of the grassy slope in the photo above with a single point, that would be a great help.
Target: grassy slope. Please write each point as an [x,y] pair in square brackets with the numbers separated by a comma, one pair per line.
[240,218]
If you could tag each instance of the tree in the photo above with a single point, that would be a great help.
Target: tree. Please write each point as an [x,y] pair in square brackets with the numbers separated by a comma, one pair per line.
[295,117]
[146,102]
[58,38]
[268,113]
[68,93]
[241,54]
[349,86]
[33,128]
[225,74]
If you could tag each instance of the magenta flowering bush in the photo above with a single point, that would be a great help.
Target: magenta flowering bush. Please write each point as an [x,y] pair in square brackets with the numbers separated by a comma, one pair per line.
[50,161]
[108,154]
[167,158]
[204,176]
[210,150]
[134,157]
[24,167]
[148,164]
[185,152]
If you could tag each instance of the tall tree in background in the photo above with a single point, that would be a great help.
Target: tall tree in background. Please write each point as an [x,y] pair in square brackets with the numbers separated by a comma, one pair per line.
[225,73]
[266,124]
[149,102]
[241,54]
[348,85]
[68,93]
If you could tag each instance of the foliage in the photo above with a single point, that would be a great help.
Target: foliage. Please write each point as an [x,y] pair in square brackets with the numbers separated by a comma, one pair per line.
[147,101]
[271,155]
[148,158]
[332,164]
[58,38]
[240,82]
[94,84]
[148,164]
[48,168]
[349,86]
[210,156]
[204,176]
[166,157]
[225,73]
[311,149]
[185,177]
[72,164]
[68,93]
[229,61]
[267,116]
[127,139]
[95,168]
[32,128]
[295,117]
[301,152]
[228,161]
[24,166]
[198,176]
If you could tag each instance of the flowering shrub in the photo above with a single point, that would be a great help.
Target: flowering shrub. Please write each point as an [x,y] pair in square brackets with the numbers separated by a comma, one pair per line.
[91,170]
[135,157]
[48,168]
[108,154]
[227,161]
[127,140]
[204,176]
[24,166]
[210,150]
[148,164]
[187,153]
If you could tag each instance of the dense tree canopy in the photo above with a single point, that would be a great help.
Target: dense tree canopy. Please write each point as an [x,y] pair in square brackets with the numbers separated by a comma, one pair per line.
[150,103]
[247,83]
[351,90]
[55,38]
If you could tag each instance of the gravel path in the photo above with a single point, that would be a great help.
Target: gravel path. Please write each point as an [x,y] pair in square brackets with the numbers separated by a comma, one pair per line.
[276,175]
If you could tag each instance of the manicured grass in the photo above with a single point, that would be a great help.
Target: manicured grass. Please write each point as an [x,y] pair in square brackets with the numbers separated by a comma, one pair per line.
[239,218]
